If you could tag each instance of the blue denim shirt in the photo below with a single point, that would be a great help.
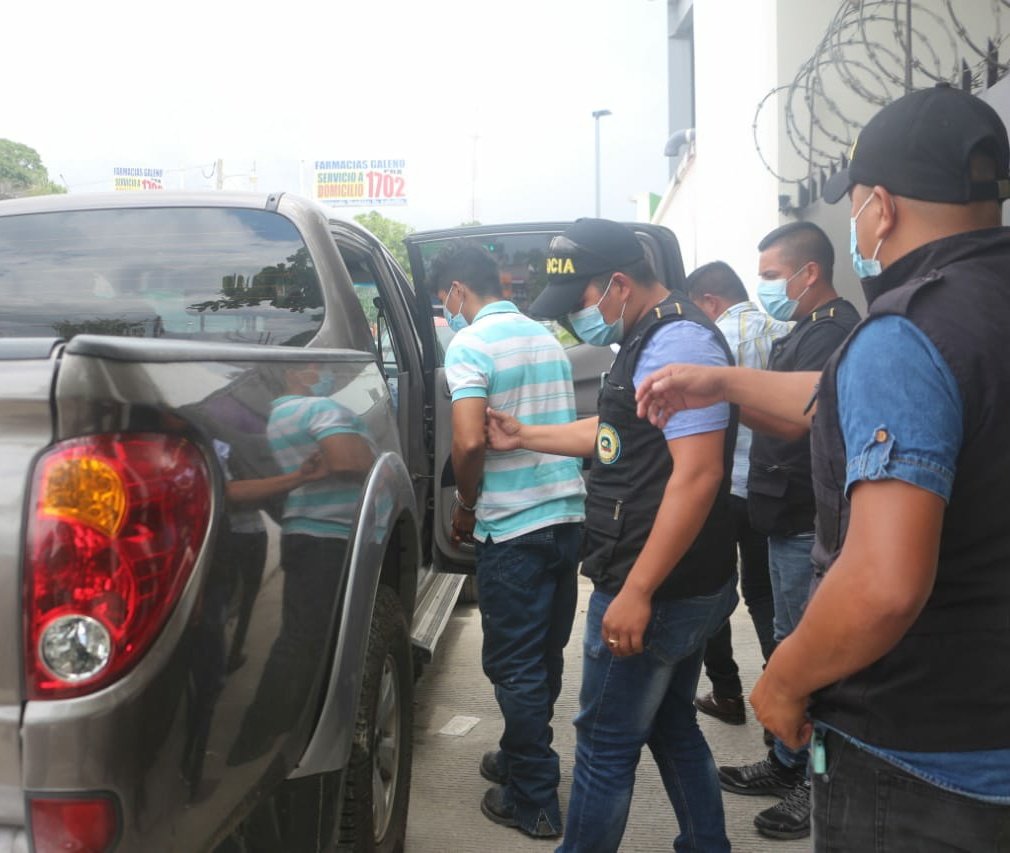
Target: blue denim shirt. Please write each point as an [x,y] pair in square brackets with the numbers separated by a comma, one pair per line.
[901,417]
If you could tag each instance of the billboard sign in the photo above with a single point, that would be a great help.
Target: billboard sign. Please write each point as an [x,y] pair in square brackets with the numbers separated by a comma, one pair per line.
[134,179]
[360,183]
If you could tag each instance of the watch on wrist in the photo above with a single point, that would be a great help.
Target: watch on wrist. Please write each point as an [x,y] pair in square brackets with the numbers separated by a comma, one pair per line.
[463,504]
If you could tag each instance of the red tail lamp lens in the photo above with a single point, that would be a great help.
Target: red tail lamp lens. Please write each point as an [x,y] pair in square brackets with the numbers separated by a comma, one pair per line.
[74,825]
[116,523]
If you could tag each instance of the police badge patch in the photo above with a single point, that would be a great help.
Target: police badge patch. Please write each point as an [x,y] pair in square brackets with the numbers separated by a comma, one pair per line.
[608,444]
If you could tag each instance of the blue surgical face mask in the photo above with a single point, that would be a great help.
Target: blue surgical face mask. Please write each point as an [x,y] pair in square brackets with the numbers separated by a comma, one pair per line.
[592,328]
[863,267]
[325,385]
[774,295]
[456,321]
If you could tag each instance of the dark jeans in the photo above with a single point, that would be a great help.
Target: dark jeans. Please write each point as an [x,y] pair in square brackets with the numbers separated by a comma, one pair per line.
[756,587]
[863,803]
[527,589]
[249,553]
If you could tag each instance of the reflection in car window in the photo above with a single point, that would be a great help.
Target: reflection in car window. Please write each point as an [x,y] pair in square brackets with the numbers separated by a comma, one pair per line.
[217,274]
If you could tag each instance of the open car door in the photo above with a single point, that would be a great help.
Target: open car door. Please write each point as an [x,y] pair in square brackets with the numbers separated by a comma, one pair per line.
[520,250]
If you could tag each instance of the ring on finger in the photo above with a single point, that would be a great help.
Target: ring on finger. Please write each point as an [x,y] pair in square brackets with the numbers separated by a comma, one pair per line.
[613,641]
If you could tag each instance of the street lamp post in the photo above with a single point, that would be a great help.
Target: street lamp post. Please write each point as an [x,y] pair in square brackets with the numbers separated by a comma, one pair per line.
[597,115]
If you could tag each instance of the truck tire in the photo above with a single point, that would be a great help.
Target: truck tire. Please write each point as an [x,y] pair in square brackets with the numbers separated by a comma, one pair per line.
[373,815]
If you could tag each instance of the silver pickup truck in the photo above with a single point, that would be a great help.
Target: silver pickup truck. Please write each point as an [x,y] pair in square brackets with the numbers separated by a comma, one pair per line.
[222,543]
[225,495]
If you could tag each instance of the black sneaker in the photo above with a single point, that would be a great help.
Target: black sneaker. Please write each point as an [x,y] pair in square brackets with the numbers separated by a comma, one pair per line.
[492,767]
[496,807]
[767,778]
[790,818]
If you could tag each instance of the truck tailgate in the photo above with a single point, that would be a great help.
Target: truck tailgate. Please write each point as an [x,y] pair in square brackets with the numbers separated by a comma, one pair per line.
[28,366]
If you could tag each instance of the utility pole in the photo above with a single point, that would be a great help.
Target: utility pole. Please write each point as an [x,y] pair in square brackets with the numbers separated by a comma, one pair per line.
[219,174]
[597,115]
[473,179]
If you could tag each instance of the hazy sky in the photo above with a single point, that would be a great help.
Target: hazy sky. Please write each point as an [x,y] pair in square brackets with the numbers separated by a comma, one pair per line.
[178,85]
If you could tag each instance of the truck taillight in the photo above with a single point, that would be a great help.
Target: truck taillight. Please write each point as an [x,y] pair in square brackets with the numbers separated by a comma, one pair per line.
[81,825]
[115,526]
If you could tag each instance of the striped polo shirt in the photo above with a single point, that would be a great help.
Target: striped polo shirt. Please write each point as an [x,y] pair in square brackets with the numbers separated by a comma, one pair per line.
[750,334]
[297,424]
[519,367]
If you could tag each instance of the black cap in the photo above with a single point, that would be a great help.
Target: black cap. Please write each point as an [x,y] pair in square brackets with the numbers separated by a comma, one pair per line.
[586,249]
[919,147]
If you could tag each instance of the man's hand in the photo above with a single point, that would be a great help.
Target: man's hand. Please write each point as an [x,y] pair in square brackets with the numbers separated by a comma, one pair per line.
[312,469]
[676,387]
[625,622]
[502,431]
[781,712]
[463,522]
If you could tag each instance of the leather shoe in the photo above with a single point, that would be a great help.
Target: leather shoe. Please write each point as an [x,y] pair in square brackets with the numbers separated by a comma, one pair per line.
[730,710]
[496,807]
[491,767]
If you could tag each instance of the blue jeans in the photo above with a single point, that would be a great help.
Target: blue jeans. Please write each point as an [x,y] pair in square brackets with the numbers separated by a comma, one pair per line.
[792,574]
[648,698]
[527,591]
[864,803]
[756,587]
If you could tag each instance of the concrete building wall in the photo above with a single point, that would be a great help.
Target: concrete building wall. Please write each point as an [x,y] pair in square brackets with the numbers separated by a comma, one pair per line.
[722,205]
[722,198]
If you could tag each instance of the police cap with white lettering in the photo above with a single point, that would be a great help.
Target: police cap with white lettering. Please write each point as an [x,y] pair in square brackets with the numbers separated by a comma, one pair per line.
[587,249]
[920,146]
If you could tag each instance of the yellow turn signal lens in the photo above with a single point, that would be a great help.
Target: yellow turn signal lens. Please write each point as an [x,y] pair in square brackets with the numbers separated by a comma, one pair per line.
[86,490]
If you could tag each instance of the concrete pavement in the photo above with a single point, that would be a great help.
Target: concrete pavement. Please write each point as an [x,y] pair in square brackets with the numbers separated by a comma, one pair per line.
[445,812]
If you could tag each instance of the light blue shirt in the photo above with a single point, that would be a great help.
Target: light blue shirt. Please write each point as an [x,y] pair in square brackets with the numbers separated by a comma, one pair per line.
[296,426]
[520,368]
[750,334]
[917,404]
[684,342]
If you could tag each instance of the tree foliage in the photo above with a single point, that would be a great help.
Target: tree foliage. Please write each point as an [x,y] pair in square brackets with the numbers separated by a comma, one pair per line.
[389,232]
[293,286]
[22,172]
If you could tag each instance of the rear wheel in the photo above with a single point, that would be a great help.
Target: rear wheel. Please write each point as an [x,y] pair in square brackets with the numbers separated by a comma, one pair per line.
[377,786]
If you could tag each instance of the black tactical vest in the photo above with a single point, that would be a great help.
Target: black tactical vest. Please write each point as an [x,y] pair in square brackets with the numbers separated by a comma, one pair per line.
[946,685]
[630,471]
[780,499]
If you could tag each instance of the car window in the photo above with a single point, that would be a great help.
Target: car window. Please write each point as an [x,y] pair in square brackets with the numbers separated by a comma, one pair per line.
[520,260]
[219,274]
[365,276]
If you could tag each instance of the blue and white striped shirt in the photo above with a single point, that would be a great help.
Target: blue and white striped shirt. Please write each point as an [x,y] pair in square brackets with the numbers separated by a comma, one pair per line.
[296,426]
[750,334]
[520,368]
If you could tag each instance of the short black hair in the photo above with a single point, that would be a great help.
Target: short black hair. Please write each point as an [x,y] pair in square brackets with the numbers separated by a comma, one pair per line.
[801,243]
[717,278]
[469,263]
